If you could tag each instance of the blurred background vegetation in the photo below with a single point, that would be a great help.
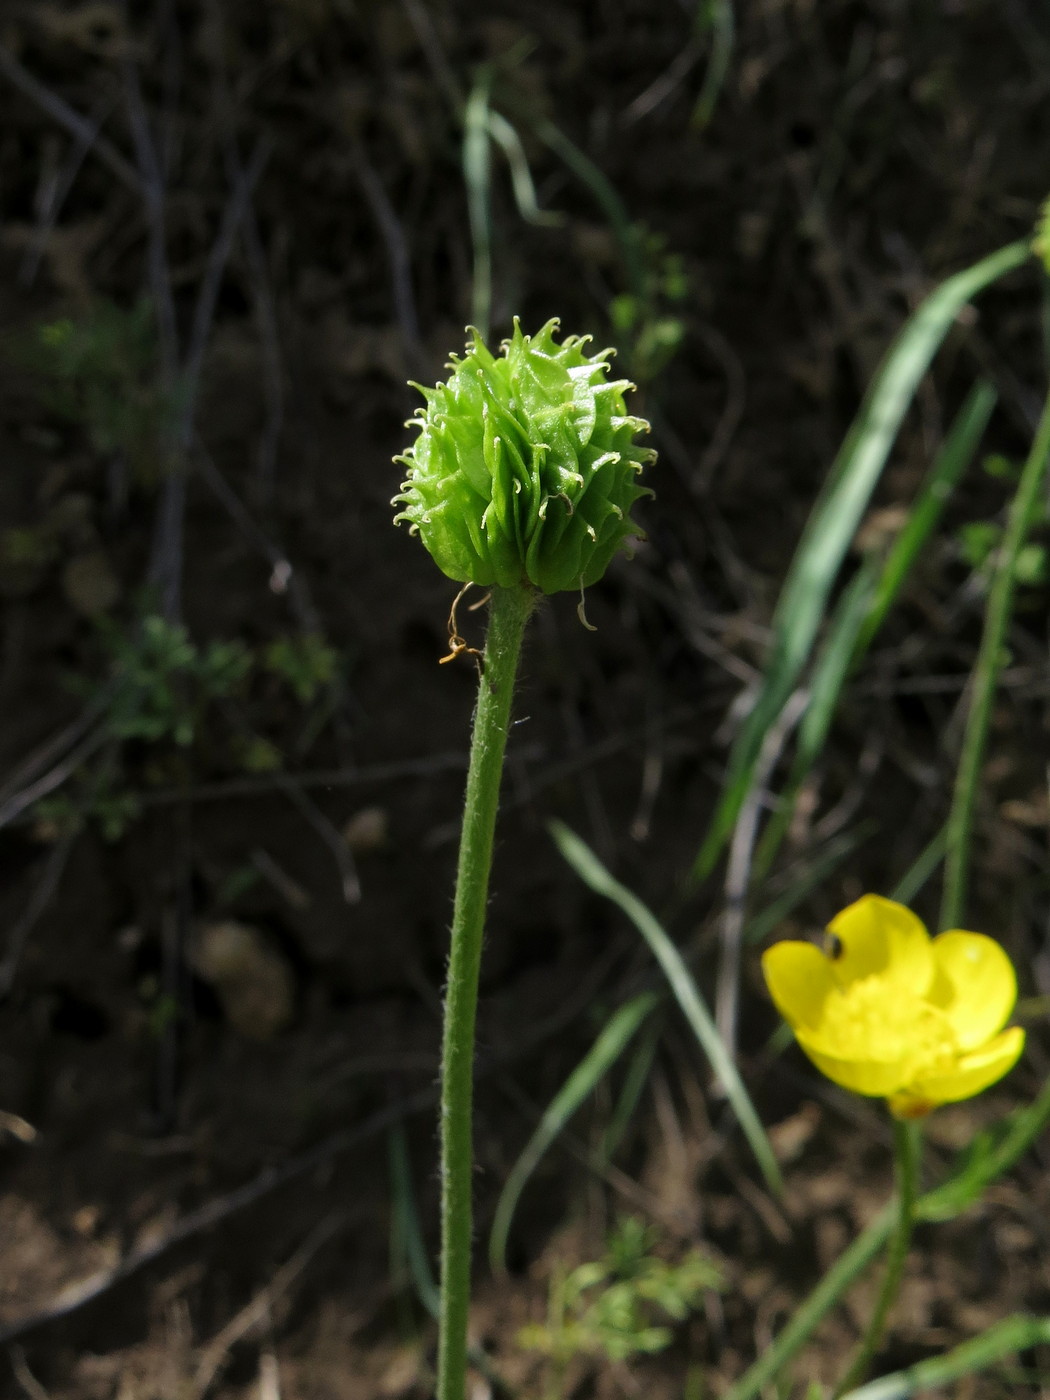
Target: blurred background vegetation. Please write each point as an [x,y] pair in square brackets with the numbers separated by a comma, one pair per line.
[230,769]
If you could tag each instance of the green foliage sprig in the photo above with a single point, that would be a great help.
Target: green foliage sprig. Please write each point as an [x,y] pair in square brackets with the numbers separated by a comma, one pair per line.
[307,664]
[620,1305]
[100,370]
[163,680]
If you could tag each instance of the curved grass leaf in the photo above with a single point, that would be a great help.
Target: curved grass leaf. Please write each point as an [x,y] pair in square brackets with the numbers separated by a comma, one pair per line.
[825,687]
[603,1054]
[865,602]
[594,874]
[606,196]
[508,140]
[477,175]
[1023,512]
[482,125]
[717,17]
[950,463]
[1003,1339]
[815,872]
[921,868]
[634,1082]
[834,519]
[407,1243]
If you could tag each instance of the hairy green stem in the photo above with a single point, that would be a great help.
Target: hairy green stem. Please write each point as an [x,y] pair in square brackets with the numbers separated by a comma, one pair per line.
[1023,511]
[509,612]
[908,1144]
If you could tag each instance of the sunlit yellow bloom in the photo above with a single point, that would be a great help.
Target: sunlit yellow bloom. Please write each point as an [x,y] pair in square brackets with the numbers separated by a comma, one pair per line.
[888,1011]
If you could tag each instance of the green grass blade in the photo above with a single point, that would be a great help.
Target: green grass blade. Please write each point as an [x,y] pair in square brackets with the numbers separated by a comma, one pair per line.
[477,174]
[922,868]
[1023,509]
[634,1083]
[606,197]
[834,1284]
[977,1168]
[863,606]
[760,925]
[408,1232]
[834,519]
[825,687]
[509,142]
[603,1054]
[948,467]
[986,1159]
[481,126]
[716,16]
[1003,1339]
[591,871]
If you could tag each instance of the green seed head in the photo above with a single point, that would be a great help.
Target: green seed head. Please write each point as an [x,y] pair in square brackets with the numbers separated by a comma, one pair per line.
[525,467]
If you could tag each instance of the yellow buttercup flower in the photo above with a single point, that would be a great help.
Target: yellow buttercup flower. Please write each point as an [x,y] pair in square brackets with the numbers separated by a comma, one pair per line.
[889,1012]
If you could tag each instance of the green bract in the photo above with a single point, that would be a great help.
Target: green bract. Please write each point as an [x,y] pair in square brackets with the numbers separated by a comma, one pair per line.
[524,470]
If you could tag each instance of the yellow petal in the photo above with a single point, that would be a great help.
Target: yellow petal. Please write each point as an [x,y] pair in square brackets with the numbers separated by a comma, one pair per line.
[972,1072]
[799,979]
[879,937]
[876,1078]
[974,985]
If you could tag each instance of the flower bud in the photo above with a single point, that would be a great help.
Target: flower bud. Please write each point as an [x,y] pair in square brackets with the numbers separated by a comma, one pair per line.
[524,470]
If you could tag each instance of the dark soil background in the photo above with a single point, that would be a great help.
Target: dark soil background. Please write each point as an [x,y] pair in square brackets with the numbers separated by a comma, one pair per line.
[195,1174]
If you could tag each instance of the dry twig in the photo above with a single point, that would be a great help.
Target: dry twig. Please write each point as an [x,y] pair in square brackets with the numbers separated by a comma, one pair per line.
[216,1354]
[80,127]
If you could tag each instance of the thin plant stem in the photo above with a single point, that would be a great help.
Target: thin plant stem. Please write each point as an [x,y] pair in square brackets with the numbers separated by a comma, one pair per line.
[509,612]
[835,1283]
[1023,510]
[907,1138]
[965,1186]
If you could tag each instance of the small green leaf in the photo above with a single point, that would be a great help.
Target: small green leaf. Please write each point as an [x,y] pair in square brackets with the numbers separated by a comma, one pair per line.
[978,540]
